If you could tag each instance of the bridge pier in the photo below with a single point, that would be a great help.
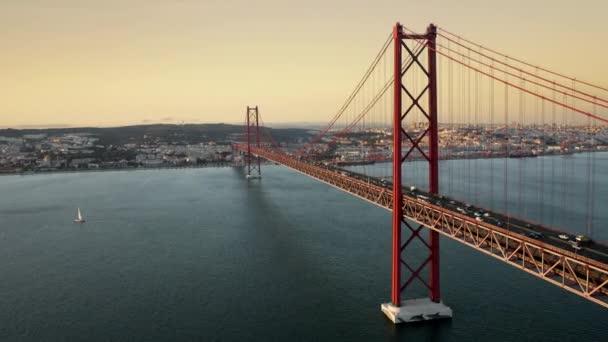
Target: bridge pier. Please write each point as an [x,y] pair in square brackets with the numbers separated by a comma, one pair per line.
[415,310]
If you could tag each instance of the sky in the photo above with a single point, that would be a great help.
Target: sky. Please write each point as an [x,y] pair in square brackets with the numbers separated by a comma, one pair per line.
[108,63]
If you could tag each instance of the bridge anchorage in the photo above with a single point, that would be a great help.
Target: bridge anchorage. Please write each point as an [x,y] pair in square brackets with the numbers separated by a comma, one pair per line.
[253,138]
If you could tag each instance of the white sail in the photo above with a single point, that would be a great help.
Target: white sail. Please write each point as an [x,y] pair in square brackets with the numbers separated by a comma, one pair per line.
[79,219]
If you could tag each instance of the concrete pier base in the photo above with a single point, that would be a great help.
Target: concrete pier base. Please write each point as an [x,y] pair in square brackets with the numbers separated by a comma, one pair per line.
[253,177]
[414,310]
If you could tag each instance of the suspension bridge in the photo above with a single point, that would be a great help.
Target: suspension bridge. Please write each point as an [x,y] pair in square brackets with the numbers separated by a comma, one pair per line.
[438,97]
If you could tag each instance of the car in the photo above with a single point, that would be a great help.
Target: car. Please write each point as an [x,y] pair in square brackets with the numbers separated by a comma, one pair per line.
[477,214]
[583,239]
[535,235]
[498,223]
[478,218]
[486,214]
[452,202]
[576,245]
[413,188]
[563,237]
[528,225]
[423,198]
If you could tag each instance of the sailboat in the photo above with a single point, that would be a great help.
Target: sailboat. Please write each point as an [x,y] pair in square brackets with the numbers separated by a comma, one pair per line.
[79,219]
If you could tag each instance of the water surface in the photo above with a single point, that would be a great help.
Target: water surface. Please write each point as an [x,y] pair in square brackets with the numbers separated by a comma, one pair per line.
[204,254]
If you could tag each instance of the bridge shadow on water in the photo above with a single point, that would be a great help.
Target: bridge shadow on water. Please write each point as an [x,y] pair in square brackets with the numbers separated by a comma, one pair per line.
[312,273]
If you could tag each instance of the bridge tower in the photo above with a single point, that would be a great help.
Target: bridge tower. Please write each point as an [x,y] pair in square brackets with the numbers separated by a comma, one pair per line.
[431,307]
[253,138]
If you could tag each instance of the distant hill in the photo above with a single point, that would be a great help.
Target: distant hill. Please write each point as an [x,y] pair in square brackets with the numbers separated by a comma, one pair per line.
[187,133]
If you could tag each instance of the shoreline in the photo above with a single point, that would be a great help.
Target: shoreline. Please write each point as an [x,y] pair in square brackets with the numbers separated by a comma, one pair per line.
[233,164]
[209,165]
[415,159]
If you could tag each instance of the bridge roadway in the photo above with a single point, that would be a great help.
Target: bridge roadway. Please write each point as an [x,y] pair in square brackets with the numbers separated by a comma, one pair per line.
[544,255]
[537,231]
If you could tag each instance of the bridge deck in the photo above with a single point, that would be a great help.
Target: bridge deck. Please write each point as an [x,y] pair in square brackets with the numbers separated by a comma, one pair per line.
[583,272]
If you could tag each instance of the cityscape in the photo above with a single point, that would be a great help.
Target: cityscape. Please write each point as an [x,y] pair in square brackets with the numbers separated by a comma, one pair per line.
[82,150]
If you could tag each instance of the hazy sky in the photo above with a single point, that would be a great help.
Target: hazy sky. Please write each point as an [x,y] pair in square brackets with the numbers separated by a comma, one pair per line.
[79,62]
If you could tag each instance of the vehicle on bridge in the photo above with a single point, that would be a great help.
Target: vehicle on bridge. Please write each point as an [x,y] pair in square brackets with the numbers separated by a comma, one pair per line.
[583,239]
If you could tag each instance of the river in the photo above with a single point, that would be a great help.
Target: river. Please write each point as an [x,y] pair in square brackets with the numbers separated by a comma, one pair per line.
[204,254]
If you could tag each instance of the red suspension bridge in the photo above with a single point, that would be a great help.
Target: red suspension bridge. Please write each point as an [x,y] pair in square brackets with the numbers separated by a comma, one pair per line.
[439,96]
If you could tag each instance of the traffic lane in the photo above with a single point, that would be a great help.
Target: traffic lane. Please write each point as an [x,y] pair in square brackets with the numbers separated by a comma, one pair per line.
[550,237]
[521,227]
[514,225]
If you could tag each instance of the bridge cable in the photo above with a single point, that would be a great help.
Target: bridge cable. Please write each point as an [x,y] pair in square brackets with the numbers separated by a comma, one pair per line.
[354,93]
[523,62]
[521,71]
